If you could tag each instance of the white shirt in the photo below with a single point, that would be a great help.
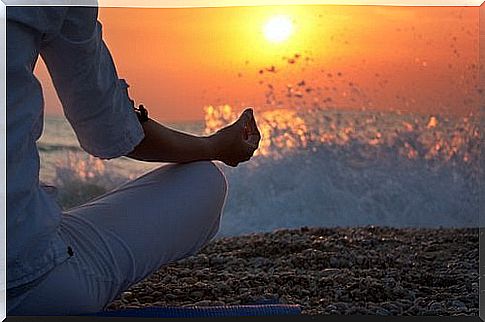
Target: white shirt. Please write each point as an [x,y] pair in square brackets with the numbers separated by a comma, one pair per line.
[95,102]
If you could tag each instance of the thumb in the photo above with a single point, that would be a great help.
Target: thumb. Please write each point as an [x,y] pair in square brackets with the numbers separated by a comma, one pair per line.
[246,115]
[249,111]
[245,119]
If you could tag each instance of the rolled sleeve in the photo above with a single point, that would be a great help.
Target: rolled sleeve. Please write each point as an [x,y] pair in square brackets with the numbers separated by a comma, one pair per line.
[95,101]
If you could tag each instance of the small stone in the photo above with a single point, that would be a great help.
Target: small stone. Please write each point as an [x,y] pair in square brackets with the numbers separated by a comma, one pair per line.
[203,303]
[458,304]
[125,296]
[435,306]
[326,271]
[382,311]
[197,294]
[331,307]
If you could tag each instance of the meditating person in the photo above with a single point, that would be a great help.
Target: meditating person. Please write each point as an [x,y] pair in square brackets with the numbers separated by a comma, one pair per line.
[76,262]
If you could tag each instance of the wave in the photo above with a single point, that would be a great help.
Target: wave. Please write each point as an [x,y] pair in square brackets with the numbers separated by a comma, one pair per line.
[332,168]
[351,168]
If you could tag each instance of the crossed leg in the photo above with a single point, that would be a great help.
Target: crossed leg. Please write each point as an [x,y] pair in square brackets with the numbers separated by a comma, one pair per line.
[125,235]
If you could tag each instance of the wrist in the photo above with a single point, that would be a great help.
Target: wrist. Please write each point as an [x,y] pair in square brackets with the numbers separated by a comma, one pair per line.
[212,147]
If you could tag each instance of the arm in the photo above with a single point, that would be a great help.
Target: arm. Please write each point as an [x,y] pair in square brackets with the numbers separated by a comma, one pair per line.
[97,105]
[162,144]
[233,144]
[94,99]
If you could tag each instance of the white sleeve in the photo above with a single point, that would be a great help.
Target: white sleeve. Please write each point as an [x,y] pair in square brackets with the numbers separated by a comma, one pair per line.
[94,99]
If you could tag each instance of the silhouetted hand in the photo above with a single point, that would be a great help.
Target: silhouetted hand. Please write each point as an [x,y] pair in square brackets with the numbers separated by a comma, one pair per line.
[237,142]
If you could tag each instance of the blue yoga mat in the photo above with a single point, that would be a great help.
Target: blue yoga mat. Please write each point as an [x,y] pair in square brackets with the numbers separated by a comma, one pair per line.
[205,311]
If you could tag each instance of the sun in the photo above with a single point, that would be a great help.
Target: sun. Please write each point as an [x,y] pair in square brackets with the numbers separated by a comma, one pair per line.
[278,29]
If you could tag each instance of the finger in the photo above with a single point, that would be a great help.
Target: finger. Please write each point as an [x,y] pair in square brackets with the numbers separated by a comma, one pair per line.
[253,127]
[252,121]
[254,131]
[247,119]
[245,133]
[248,111]
[246,115]
[242,123]
[249,149]
[254,139]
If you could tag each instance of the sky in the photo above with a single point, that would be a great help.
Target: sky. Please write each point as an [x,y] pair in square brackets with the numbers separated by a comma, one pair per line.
[420,59]
[198,3]
[225,3]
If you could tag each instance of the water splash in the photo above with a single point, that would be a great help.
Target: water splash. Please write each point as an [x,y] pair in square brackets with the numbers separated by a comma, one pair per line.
[80,177]
[392,134]
[344,168]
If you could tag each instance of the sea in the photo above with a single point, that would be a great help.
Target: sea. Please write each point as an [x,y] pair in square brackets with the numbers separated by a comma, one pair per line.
[315,167]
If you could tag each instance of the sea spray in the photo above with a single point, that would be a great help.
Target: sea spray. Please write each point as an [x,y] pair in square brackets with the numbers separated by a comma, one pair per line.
[322,167]
[81,177]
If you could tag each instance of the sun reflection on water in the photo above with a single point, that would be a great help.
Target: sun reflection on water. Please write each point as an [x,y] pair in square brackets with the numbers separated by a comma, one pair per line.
[408,135]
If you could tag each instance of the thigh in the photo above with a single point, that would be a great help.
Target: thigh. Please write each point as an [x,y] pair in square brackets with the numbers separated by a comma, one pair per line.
[165,215]
[126,234]
[66,290]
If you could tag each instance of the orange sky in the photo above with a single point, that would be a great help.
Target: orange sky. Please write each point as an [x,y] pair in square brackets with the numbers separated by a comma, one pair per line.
[179,60]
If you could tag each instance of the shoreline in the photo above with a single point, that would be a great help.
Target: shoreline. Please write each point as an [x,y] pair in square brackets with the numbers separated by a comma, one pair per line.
[362,270]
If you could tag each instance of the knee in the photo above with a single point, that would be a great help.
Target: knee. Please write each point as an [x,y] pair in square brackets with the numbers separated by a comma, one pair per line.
[220,181]
[206,172]
[212,177]
[203,176]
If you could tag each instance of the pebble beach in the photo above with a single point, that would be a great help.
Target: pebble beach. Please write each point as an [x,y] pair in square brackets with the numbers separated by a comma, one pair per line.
[368,270]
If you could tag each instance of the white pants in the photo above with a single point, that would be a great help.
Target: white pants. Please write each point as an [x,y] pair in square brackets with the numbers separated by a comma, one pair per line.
[125,235]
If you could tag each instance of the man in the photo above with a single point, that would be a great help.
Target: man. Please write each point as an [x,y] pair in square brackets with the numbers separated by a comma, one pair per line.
[79,261]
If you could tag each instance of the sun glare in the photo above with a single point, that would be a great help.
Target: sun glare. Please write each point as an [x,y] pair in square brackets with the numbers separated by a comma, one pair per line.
[278,29]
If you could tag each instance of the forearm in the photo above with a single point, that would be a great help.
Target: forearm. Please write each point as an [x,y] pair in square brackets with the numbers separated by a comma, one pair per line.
[162,144]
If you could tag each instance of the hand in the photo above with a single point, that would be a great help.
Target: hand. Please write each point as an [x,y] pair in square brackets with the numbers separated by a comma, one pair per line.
[237,142]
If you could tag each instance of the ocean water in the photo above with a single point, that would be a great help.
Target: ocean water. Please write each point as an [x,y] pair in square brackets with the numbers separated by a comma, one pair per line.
[315,167]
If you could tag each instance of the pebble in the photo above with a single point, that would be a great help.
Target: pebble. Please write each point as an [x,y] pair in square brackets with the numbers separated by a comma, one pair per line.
[366,270]
[197,294]
[435,306]
[459,305]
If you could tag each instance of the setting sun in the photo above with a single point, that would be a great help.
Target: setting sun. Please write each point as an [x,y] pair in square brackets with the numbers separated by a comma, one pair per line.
[278,29]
